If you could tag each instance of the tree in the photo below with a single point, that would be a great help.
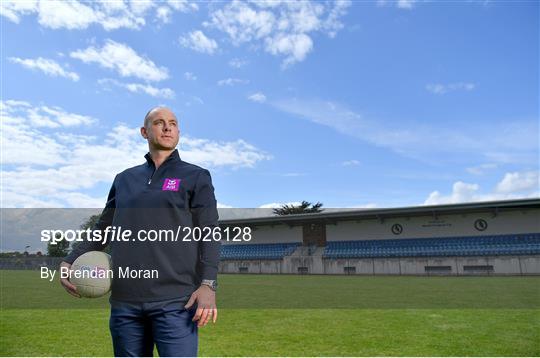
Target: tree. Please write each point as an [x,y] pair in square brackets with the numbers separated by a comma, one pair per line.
[90,223]
[59,248]
[304,208]
[11,254]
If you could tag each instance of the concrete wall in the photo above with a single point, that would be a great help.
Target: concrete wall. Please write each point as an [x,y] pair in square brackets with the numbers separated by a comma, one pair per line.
[500,265]
[363,266]
[272,234]
[514,222]
[507,222]
[530,265]
[252,266]
[29,263]
[411,266]
[386,266]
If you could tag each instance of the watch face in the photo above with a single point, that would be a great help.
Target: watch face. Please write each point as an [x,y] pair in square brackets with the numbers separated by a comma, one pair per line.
[211,283]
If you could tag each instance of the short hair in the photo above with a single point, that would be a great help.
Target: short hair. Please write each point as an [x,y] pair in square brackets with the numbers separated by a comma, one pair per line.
[152,110]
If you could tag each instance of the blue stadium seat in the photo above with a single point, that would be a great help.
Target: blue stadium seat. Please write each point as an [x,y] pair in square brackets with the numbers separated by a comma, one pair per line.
[257,251]
[520,244]
[517,244]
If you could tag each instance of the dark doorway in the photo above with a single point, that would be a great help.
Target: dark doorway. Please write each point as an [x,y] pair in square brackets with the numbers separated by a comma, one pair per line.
[314,234]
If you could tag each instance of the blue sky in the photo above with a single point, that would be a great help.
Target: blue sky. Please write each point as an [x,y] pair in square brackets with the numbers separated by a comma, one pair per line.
[354,104]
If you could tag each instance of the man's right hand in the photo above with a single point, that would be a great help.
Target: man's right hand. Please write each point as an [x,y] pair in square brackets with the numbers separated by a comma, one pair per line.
[70,288]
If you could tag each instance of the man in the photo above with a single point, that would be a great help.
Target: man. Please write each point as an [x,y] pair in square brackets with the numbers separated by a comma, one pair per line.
[162,194]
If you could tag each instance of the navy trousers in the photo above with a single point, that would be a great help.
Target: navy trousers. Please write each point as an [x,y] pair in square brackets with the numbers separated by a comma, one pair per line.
[136,327]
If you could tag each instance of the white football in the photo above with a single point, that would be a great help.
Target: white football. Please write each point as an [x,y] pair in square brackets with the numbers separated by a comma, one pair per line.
[91,273]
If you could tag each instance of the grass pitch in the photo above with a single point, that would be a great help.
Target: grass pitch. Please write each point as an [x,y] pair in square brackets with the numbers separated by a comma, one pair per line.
[268,315]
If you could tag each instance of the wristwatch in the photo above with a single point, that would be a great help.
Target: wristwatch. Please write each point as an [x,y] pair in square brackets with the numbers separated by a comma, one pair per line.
[210,283]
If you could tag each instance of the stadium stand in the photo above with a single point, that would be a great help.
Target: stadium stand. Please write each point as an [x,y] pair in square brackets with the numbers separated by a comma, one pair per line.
[257,251]
[522,244]
[519,244]
[479,238]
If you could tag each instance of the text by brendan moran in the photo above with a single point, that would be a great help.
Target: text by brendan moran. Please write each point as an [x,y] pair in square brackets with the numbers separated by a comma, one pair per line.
[98,272]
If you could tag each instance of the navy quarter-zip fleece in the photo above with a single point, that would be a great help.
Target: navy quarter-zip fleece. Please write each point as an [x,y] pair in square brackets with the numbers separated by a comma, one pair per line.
[140,199]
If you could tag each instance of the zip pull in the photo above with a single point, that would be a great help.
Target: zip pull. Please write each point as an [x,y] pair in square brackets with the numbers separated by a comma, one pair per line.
[150,179]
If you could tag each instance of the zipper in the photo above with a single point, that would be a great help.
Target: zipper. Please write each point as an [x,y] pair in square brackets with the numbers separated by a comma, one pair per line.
[156,170]
[150,179]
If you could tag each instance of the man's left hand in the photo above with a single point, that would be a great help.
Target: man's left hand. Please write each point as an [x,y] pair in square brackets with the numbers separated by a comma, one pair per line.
[206,305]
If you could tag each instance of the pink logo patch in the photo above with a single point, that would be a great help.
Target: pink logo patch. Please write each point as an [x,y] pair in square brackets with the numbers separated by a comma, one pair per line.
[171,184]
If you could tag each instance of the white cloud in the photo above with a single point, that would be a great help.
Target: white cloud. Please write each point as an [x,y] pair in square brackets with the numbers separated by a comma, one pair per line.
[150,90]
[232,82]
[78,15]
[235,154]
[293,175]
[461,192]
[364,206]
[438,88]
[515,185]
[257,97]
[64,118]
[279,205]
[163,14]
[197,41]
[231,213]
[332,23]
[237,62]
[194,99]
[47,66]
[79,200]
[166,93]
[325,209]
[295,47]
[71,165]
[190,76]
[282,28]
[123,59]
[183,5]
[405,4]
[242,22]
[349,163]
[13,10]
[509,142]
[42,116]
[482,168]
[71,15]
[518,182]
[401,4]
[23,140]
[140,7]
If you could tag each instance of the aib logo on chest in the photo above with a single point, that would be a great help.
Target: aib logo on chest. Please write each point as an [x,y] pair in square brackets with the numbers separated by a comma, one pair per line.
[172,184]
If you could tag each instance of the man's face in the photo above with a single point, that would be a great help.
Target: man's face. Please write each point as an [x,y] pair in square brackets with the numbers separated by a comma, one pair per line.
[161,130]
